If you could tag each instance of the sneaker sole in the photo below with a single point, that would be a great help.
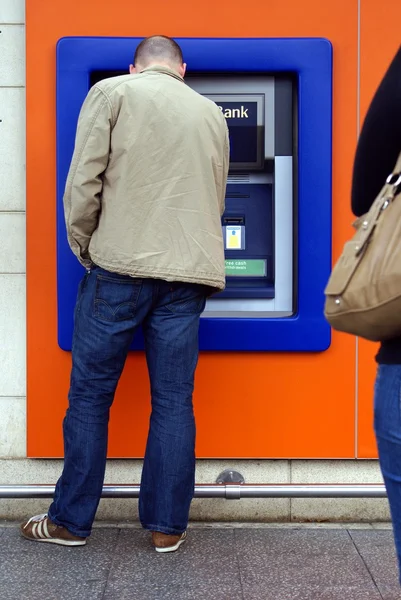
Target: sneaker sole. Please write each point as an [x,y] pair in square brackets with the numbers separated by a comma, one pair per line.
[171,548]
[57,541]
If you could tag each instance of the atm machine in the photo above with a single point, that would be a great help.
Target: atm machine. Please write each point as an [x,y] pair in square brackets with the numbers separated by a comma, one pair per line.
[258,223]
[276,95]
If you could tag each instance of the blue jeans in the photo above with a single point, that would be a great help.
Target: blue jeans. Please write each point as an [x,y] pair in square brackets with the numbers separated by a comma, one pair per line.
[388,435]
[109,309]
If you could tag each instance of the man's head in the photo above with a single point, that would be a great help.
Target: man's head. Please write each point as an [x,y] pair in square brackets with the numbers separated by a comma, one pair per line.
[158,50]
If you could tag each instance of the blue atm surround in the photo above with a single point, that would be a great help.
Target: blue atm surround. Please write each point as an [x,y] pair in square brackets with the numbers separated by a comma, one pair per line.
[311,61]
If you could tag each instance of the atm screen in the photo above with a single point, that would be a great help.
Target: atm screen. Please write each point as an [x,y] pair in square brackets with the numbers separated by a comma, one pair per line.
[245,119]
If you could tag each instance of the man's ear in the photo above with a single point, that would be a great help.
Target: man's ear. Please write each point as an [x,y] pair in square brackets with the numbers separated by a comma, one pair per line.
[183,69]
[132,70]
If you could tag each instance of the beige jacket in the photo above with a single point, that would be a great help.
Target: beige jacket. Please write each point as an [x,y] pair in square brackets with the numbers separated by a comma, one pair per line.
[146,187]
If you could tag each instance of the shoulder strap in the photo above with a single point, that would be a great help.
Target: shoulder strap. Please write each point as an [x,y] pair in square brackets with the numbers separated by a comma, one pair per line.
[397,168]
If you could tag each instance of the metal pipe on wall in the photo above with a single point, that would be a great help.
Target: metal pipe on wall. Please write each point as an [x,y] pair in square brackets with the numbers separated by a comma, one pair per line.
[230,491]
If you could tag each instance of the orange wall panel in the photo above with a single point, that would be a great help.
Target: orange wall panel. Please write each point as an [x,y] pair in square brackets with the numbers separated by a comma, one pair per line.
[247,405]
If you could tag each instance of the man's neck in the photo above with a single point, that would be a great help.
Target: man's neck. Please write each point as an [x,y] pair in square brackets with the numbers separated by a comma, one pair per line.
[162,68]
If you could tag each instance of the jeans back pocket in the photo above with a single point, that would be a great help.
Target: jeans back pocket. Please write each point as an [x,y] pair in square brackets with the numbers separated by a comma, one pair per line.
[187,299]
[116,297]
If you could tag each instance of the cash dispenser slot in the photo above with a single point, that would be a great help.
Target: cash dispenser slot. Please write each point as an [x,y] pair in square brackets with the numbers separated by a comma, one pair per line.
[233,221]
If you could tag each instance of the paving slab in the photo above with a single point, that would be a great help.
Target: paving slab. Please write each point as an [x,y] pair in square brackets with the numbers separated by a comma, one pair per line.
[206,566]
[23,561]
[378,552]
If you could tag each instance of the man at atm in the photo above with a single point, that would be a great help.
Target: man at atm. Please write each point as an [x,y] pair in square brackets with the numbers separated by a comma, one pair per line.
[143,206]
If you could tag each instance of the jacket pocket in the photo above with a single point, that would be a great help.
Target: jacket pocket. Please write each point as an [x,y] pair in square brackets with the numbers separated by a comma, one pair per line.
[116,297]
[187,299]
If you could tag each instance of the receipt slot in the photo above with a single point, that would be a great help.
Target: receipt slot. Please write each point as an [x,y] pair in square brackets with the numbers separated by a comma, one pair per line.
[276,95]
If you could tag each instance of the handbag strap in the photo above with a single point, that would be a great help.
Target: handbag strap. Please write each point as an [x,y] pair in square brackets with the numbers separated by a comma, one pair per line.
[366,224]
[393,183]
[396,174]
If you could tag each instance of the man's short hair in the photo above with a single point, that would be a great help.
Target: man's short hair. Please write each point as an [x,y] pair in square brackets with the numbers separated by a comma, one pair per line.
[158,47]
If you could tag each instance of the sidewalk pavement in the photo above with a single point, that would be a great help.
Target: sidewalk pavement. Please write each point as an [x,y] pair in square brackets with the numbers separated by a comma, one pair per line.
[219,562]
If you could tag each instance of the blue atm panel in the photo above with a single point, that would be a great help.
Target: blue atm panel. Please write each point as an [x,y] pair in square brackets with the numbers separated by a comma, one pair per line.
[276,95]
[248,233]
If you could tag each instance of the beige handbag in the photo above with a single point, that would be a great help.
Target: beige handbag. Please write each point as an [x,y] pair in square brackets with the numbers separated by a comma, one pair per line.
[363,295]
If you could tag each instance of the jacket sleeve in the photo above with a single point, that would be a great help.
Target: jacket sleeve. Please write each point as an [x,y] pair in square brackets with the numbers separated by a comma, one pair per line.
[226,164]
[82,203]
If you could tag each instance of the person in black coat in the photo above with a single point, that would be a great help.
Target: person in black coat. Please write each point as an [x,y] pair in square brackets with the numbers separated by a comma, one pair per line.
[378,148]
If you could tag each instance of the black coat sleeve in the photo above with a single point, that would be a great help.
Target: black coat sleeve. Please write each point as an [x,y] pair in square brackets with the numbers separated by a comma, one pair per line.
[380,140]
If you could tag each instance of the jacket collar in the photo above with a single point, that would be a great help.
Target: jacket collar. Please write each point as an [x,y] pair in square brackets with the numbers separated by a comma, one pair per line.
[163,69]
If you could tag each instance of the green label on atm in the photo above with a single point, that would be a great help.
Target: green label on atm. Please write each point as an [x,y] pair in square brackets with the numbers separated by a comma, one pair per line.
[246,268]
